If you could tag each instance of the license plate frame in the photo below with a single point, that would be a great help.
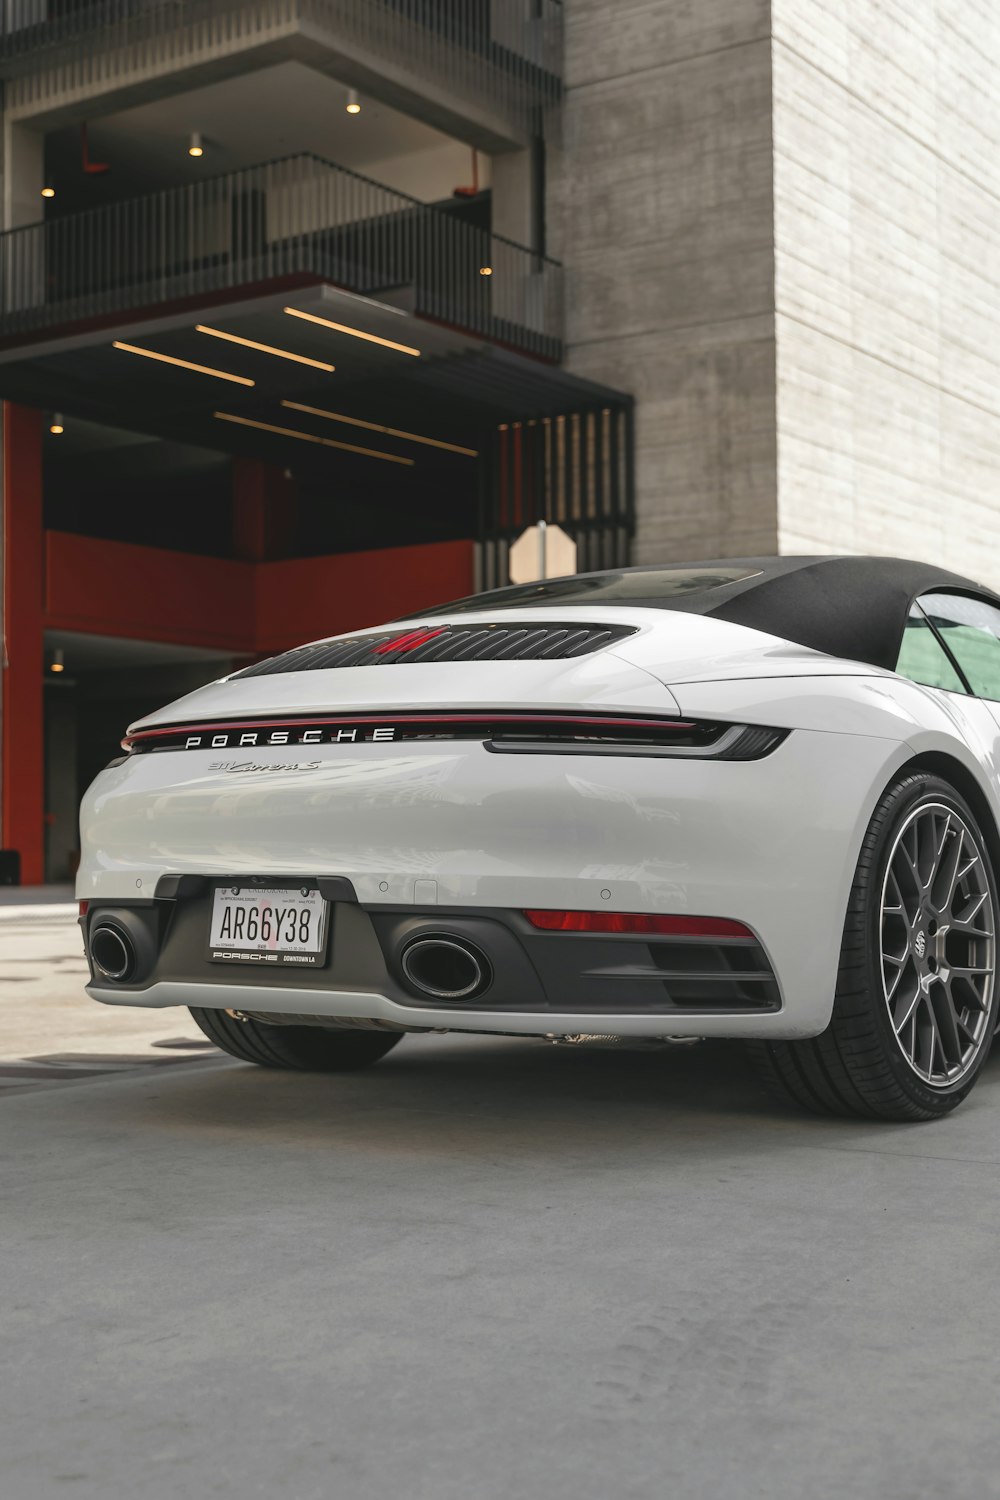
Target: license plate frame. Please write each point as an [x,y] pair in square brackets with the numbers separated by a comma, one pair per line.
[265,934]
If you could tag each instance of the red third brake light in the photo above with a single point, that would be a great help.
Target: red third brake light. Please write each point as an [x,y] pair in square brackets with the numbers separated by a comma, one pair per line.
[400,644]
[718,929]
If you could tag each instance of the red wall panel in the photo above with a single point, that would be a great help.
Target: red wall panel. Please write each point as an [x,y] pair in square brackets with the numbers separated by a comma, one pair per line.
[316,596]
[115,588]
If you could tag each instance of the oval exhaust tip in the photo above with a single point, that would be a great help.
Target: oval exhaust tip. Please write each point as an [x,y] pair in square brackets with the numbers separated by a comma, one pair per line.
[112,952]
[446,968]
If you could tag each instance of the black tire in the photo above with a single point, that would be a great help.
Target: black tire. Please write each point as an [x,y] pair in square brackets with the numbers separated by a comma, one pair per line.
[305,1049]
[859,1066]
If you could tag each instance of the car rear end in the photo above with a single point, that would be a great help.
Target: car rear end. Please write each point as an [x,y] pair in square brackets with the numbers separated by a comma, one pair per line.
[497,824]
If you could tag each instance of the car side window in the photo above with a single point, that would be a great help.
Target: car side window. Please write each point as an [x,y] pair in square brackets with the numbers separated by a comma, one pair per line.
[923,659]
[970,629]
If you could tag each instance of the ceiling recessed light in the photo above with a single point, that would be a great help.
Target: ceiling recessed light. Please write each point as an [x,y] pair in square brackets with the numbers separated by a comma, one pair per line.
[486,270]
[48,192]
[355,333]
[184,364]
[196,146]
[309,437]
[235,338]
[396,432]
[353,105]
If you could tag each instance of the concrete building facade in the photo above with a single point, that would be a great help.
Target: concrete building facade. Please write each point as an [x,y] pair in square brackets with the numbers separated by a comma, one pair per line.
[663,199]
[887,212]
[309,307]
[779,225]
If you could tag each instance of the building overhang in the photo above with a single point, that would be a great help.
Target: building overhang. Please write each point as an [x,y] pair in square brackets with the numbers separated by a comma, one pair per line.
[251,375]
[485,84]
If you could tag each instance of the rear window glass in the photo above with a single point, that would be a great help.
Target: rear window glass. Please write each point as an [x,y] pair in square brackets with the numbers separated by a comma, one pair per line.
[970,628]
[923,659]
[640,586]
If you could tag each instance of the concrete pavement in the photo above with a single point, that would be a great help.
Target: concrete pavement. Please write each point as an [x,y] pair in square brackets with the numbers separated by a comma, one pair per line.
[50,1032]
[486,1270]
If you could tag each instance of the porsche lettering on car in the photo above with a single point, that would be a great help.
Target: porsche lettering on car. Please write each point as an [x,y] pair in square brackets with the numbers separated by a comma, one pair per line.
[755,798]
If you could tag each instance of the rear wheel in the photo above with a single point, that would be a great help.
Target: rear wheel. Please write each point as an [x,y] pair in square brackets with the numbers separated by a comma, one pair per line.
[306,1049]
[916,1001]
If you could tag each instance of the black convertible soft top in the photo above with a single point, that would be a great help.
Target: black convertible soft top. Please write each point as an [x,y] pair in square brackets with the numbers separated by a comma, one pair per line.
[854,607]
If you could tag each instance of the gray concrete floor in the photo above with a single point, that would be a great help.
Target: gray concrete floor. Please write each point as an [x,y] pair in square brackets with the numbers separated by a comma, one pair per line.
[488,1270]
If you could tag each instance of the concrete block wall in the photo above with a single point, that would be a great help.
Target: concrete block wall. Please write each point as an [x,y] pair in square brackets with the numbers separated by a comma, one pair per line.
[781,226]
[660,205]
[887,261]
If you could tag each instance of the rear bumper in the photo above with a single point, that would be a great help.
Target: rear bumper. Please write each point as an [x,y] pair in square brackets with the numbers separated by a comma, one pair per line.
[365,1005]
[533,981]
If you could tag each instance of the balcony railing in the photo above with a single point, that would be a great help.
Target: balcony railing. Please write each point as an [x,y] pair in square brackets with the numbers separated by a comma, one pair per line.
[504,52]
[298,220]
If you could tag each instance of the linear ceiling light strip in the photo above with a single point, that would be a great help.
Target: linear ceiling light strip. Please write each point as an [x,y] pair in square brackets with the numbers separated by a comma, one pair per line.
[184,364]
[307,437]
[355,333]
[396,432]
[235,338]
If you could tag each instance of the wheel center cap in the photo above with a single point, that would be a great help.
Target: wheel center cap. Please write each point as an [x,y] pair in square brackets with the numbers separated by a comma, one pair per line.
[920,943]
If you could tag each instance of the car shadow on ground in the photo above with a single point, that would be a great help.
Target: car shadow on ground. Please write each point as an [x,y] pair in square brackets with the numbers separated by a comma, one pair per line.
[50,1070]
[465,1097]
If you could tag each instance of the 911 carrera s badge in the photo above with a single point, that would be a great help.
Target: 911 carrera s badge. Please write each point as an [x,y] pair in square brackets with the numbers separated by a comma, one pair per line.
[254,768]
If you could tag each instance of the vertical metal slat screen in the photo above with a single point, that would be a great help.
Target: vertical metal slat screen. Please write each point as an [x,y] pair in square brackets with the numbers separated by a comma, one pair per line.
[575,470]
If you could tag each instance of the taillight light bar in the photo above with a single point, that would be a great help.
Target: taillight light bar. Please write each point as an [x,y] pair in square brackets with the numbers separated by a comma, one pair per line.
[641,924]
[503,732]
[279,733]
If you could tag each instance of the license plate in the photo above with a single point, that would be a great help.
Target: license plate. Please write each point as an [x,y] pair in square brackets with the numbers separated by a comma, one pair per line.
[253,925]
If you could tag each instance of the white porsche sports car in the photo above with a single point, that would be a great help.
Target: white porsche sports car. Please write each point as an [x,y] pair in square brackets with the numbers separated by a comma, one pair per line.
[754,798]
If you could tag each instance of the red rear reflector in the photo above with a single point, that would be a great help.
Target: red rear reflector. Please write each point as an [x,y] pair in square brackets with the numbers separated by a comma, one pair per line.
[84,908]
[640,923]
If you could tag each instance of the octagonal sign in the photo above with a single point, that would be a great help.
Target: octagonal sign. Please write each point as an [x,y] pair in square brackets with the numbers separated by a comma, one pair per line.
[543,551]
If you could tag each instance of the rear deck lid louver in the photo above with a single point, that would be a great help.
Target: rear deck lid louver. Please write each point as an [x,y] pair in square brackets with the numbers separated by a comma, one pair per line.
[440,643]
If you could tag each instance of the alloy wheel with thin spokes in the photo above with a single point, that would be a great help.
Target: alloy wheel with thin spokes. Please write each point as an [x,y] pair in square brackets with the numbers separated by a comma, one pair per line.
[938,945]
[916,998]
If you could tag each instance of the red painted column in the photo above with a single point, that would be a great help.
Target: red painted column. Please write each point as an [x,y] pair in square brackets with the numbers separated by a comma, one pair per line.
[264,511]
[23,773]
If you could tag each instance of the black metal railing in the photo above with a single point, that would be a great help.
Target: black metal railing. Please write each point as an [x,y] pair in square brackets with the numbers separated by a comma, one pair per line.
[297,218]
[507,53]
